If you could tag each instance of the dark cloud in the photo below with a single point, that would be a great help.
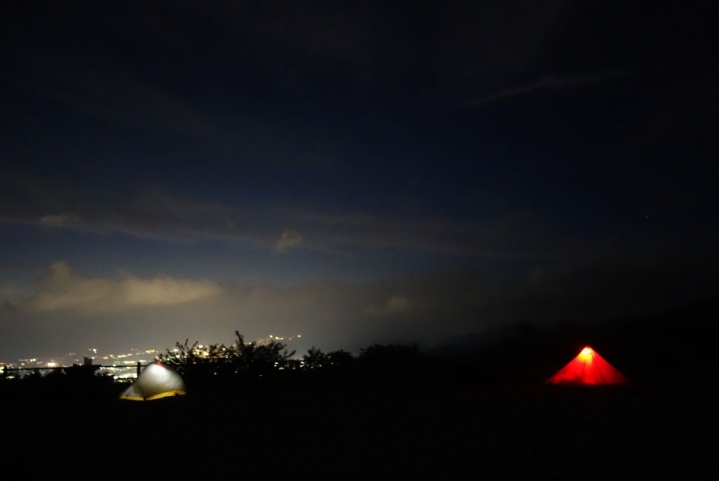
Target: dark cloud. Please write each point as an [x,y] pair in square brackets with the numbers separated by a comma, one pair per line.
[10,266]
[159,216]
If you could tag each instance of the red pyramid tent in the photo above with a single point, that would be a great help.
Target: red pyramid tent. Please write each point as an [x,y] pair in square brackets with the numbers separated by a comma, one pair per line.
[588,368]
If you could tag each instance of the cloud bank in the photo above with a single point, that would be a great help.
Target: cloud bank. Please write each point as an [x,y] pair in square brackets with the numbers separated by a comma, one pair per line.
[63,289]
[67,309]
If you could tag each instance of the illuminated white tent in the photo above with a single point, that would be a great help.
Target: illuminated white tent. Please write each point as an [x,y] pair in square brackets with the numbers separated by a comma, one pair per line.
[154,382]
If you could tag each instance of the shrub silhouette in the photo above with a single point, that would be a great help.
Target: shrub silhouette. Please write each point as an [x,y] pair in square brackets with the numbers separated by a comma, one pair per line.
[316,359]
[204,366]
[527,356]
[80,382]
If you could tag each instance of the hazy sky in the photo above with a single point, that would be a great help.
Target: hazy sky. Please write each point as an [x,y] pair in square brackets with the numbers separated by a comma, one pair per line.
[353,173]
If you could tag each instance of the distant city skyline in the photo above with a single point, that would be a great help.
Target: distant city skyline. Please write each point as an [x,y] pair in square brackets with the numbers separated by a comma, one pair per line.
[129,356]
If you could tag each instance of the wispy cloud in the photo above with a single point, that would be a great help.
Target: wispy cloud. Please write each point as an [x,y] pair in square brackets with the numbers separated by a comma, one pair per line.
[289,239]
[397,304]
[159,216]
[59,220]
[547,83]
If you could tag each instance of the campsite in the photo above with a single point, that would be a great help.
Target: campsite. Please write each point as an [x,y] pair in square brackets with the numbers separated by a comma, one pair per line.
[463,240]
[657,426]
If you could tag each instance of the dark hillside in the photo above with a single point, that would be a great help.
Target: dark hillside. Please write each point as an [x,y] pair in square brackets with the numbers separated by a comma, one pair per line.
[676,347]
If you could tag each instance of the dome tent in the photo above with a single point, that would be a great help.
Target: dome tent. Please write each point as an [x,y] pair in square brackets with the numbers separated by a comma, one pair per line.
[588,368]
[154,382]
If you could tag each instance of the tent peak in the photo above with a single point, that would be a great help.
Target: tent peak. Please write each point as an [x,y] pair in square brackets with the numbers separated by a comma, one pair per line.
[588,367]
[155,381]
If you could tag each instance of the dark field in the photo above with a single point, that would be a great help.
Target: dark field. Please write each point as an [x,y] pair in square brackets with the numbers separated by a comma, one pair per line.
[542,433]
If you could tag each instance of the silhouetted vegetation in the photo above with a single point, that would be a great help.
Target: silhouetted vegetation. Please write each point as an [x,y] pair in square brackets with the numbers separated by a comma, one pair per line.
[665,349]
[77,382]
[399,410]
[205,366]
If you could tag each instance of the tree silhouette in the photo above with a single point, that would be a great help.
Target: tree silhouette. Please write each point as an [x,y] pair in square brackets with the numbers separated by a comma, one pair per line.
[340,359]
[214,363]
[315,358]
[260,359]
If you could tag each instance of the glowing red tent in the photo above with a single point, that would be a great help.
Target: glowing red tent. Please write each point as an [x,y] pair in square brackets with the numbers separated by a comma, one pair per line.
[588,368]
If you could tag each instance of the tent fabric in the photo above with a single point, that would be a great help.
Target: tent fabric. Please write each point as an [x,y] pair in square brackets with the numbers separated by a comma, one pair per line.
[132,394]
[588,368]
[154,382]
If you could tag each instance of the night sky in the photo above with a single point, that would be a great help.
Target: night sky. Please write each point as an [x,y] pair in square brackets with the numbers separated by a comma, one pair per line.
[356,173]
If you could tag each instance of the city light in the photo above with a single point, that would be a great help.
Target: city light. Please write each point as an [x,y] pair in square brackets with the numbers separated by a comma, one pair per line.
[122,367]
